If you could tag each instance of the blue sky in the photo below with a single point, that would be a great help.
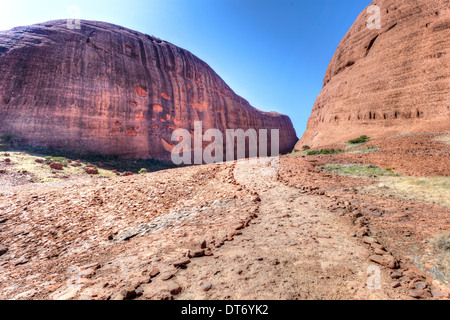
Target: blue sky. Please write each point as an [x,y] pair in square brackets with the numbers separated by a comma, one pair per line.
[274,53]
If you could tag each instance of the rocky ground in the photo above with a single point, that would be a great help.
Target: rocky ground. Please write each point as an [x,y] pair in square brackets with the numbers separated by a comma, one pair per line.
[233,231]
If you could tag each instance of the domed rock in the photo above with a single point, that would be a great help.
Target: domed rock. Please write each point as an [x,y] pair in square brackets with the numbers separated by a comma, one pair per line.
[109,90]
[388,81]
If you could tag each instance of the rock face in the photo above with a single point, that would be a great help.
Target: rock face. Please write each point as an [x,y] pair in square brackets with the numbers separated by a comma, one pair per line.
[390,81]
[110,90]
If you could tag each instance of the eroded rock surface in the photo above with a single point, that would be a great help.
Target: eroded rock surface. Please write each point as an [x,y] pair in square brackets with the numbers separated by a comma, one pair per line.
[110,90]
[388,81]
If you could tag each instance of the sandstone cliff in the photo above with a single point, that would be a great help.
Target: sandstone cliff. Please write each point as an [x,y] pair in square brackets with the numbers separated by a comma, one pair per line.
[110,90]
[390,81]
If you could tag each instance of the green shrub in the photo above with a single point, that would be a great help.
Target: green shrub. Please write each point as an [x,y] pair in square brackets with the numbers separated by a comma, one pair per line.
[324,151]
[306,148]
[143,171]
[59,159]
[48,158]
[6,137]
[361,139]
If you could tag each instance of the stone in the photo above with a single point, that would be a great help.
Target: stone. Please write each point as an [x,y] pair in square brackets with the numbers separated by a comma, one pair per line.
[369,240]
[153,89]
[56,166]
[416,293]
[128,293]
[198,253]
[358,98]
[362,232]
[386,260]
[91,170]
[206,287]
[174,288]
[379,251]
[167,275]
[154,272]
[182,262]
[256,198]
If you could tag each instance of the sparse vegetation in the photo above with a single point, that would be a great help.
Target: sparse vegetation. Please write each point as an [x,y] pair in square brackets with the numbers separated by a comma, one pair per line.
[441,242]
[441,246]
[6,138]
[324,151]
[25,160]
[427,189]
[143,171]
[362,139]
[306,148]
[358,170]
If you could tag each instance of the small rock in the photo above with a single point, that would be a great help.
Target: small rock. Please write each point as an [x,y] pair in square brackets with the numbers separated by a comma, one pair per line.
[362,232]
[198,253]
[91,170]
[416,293]
[203,245]
[369,240]
[436,292]
[56,166]
[119,297]
[396,275]
[182,262]
[21,261]
[93,266]
[256,198]
[380,252]
[167,275]
[128,293]
[420,285]
[396,284]
[206,287]
[154,272]
[377,246]
[174,288]
[386,260]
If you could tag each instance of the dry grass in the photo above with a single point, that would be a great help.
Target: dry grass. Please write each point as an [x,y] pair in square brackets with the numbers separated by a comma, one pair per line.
[43,173]
[430,189]
[445,138]
[358,170]
[441,246]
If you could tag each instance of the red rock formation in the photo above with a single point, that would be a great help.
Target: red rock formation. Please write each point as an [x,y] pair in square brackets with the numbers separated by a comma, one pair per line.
[110,90]
[390,81]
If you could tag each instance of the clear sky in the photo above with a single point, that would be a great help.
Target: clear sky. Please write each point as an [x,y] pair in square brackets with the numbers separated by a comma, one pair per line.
[274,53]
